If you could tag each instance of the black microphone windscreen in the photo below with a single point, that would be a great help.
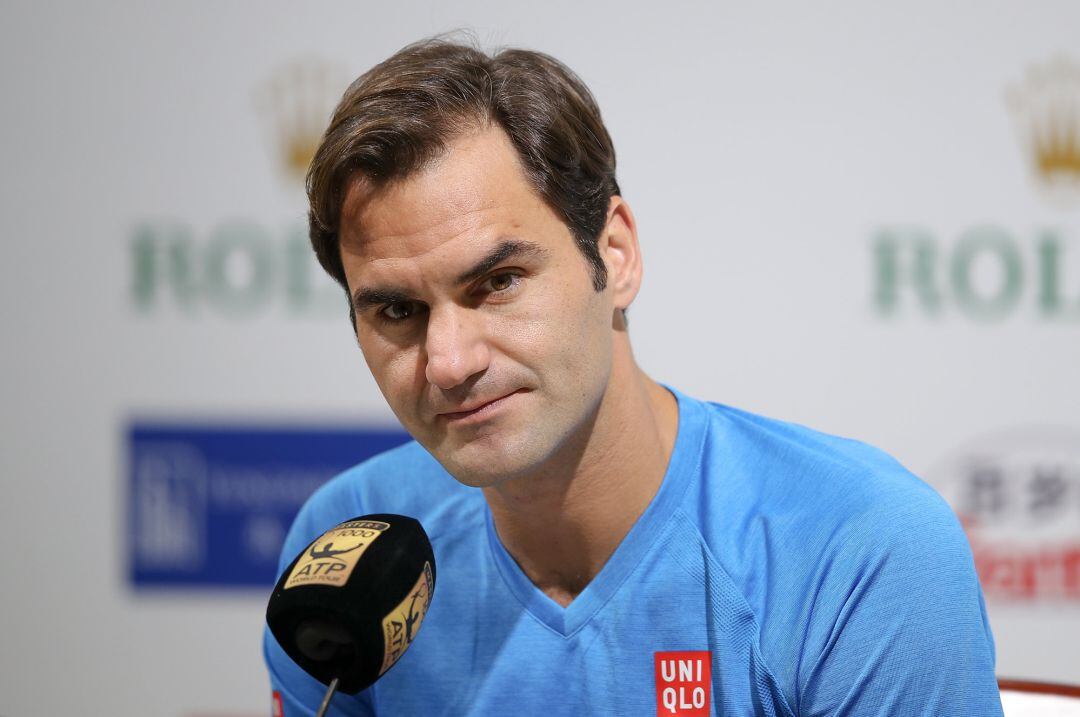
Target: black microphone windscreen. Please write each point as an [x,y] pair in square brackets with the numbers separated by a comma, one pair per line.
[352,602]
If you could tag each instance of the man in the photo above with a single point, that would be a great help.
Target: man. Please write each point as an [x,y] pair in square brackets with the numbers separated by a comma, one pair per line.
[605,544]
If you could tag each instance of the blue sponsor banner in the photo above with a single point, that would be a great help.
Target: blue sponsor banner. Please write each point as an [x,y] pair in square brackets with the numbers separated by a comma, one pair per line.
[209,505]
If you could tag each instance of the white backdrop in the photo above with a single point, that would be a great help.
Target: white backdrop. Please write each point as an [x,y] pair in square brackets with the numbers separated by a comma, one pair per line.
[782,160]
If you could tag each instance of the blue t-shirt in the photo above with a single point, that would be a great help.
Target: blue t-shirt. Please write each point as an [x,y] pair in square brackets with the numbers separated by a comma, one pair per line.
[777,571]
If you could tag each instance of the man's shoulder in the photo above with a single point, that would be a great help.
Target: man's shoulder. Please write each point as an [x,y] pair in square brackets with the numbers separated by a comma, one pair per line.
[808,472]
[401,476]
[777,497]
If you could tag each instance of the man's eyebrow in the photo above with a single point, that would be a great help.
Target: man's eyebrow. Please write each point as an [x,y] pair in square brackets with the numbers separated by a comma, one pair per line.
[365,298]
[507,249]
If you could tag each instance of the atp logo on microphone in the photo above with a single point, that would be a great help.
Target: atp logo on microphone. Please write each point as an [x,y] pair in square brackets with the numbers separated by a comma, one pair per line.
[402,623]
[331,558]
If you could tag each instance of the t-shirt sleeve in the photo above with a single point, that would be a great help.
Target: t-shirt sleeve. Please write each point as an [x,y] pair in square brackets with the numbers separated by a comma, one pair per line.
[902,626]
[299,693]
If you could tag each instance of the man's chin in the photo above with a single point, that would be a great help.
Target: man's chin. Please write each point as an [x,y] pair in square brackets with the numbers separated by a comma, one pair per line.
[480,474]
[483,466]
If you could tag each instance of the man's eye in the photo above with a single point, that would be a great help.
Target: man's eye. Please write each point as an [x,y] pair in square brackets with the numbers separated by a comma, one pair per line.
[502,282]
[399,311]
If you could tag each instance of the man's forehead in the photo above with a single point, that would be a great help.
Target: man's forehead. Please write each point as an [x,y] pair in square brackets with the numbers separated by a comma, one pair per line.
[384,233]
[477,180]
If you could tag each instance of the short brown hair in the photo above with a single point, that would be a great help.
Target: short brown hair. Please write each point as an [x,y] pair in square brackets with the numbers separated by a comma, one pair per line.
[400,115]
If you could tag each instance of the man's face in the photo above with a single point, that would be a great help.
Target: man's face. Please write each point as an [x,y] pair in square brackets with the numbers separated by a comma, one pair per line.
[476,314]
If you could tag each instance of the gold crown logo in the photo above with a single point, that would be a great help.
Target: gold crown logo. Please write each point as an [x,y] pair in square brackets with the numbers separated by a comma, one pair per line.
[296,104]
[1046,108]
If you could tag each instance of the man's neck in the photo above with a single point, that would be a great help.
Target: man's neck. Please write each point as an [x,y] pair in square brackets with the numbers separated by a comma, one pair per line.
[563,525]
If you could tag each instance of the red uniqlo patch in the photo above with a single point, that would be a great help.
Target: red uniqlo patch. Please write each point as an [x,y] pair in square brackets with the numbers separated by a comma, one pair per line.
[683,682]
[279,711]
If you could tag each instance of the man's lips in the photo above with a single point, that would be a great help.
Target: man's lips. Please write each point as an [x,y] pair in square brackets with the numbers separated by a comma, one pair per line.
[475,408]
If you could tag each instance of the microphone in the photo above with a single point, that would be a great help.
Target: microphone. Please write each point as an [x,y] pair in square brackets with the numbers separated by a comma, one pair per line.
[348,606]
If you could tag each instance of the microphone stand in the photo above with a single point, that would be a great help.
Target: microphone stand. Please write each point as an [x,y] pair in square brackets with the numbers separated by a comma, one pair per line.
[326,699]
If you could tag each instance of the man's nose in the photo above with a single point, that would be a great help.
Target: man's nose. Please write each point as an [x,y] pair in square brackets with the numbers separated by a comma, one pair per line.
[456,346]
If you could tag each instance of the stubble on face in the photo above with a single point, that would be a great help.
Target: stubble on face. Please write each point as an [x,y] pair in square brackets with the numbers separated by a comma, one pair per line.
[542,348]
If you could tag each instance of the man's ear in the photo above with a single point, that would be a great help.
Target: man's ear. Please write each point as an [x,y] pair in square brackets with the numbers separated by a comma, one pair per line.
[618,245]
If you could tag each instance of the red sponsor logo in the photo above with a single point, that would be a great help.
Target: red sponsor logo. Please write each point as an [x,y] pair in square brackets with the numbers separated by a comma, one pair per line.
[278,710]
[1017,572]
[683,681]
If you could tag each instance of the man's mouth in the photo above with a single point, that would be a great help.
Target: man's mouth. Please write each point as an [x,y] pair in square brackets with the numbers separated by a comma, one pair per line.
[477,409]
